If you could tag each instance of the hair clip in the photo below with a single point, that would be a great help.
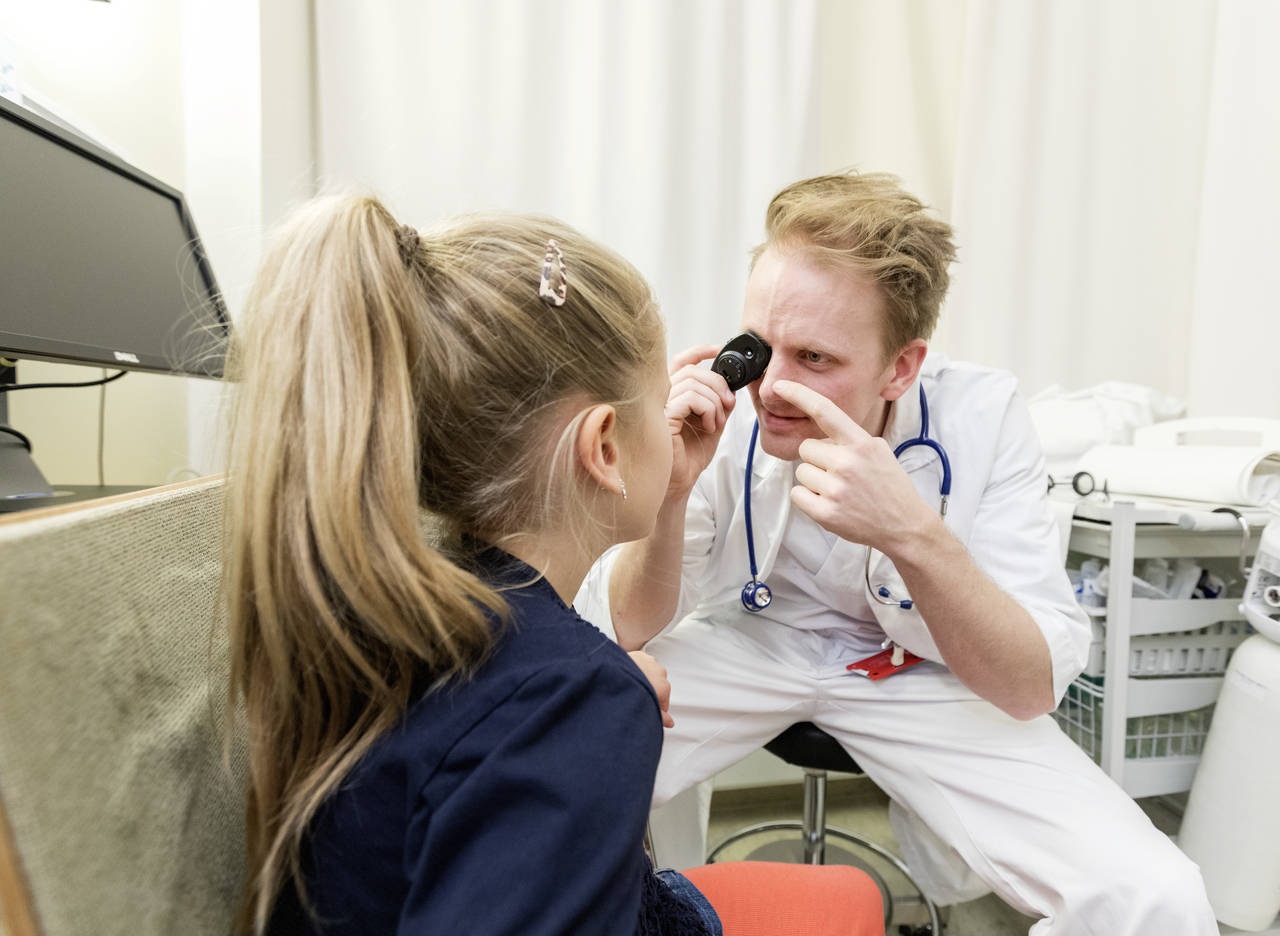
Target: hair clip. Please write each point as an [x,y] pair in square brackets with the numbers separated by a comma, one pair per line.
[553,295]
[407,241]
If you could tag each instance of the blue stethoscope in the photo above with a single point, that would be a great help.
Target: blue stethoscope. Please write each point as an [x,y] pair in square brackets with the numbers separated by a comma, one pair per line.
[756,595]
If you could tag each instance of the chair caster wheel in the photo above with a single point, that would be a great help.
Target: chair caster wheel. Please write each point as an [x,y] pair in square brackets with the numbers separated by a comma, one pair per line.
[923,930]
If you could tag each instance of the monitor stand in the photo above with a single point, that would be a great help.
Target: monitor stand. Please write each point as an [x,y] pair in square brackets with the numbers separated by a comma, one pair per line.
[21,483]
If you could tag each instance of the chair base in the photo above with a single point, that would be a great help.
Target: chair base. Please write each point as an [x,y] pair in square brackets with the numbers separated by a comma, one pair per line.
[794,851]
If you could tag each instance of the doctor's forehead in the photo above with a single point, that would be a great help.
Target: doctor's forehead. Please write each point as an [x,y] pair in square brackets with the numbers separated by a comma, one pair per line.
[790,297]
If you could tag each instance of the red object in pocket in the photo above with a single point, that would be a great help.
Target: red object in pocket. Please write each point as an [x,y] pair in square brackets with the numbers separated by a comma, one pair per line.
[880,665]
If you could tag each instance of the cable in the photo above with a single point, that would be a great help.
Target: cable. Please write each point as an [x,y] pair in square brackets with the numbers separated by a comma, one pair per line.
[102,408]
[9,388]
[102,423]
[17,435]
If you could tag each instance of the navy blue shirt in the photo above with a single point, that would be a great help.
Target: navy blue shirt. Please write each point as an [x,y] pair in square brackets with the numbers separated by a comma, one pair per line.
[512,802]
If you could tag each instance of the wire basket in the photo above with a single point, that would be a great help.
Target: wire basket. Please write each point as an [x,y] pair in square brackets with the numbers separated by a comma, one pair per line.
[1202,652]
[1175,734]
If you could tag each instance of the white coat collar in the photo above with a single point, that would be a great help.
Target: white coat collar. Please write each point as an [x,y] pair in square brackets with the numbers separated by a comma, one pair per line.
[904,417]
[904,423]
[904,414]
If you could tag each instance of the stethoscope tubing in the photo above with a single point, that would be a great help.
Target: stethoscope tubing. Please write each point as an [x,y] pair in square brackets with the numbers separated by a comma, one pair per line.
[751,540]
[882,595]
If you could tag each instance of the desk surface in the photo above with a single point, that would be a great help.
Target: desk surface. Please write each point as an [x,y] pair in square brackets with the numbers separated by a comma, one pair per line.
[68,494]
[69,497]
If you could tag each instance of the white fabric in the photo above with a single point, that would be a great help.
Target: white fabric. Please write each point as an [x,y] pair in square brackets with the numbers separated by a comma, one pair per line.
[1070,423]
[1063,510]
[1107,165]
[678,828]
[1115,196]
[801,581]
[1221,474]
[661,128]
[1235,330]
[1015,802]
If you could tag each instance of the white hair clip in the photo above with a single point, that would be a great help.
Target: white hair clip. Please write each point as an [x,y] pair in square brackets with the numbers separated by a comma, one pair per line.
[551,292]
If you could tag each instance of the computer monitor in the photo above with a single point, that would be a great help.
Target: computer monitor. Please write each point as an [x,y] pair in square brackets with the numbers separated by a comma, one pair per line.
[100,264]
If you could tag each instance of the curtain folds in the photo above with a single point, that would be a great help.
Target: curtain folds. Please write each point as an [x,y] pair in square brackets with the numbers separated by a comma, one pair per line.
[1110,165]
[661,127]
[1111,198]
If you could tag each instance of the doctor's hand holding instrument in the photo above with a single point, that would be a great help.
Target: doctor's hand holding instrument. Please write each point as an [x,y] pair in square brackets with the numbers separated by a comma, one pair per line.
[698,408]
[644,583]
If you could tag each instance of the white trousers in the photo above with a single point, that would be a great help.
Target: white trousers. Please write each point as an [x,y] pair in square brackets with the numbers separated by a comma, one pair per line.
[1017,803]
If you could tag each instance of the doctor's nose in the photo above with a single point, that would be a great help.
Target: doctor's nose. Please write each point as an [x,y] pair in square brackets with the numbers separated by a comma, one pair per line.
[773,373]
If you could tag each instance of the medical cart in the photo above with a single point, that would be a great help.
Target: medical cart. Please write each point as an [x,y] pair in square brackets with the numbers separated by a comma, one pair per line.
[1144,720]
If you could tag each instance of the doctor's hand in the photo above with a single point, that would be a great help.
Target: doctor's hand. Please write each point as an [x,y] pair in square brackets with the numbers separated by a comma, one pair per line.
[849,482]
[656,673]
[698,408]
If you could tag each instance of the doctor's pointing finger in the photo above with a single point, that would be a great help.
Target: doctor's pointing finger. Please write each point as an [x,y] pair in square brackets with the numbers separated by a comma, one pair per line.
[849,482]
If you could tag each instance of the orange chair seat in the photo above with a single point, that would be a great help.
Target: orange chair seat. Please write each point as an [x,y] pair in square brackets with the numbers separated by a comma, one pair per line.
[765,898]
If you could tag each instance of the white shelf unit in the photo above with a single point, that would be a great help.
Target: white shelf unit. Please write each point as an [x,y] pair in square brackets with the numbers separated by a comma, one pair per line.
[1122,532]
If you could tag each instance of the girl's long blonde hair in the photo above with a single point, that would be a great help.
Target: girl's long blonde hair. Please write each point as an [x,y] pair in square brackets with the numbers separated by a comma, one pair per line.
[382,375]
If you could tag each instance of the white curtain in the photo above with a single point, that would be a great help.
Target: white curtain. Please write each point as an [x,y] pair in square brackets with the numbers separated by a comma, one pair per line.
[1116,197]
[1235,331]
[1110,161]
[660,127]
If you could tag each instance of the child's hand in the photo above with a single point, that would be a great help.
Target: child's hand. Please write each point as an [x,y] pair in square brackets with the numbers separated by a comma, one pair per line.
[656,673]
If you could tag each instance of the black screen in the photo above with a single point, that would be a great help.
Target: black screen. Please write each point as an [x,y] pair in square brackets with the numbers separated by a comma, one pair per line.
[99,263]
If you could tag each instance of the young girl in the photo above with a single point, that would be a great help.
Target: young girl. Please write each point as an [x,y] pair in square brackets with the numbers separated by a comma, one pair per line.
[438,743]
[434,437]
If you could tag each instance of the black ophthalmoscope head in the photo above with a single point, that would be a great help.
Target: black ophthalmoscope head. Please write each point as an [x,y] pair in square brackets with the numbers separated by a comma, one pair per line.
[742,360]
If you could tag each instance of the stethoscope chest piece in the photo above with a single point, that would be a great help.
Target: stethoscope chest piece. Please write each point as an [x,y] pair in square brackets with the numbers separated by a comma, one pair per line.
[756,596]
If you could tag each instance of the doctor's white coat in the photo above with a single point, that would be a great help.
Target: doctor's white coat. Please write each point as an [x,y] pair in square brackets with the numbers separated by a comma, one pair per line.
[998,509]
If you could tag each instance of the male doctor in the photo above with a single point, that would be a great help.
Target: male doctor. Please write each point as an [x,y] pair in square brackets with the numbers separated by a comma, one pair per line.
[860,555]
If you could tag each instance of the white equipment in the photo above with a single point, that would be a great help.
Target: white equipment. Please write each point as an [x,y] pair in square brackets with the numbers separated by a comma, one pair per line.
[1262,594]
[1231,828]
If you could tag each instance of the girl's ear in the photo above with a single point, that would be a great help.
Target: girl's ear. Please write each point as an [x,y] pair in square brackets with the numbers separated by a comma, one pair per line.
[903,369]
[597,447]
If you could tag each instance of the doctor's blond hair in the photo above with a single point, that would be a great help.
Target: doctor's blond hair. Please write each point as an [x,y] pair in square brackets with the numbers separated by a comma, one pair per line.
[385,376]
[869,224]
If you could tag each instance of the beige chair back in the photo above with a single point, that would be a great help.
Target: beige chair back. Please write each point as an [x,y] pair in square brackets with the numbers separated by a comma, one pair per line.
[119,813]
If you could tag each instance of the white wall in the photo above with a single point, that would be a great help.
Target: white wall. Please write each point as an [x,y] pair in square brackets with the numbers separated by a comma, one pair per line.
[115,71]
[212,98]
[247,78]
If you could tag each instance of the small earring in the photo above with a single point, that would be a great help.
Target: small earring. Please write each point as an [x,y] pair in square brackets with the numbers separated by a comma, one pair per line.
[624,489]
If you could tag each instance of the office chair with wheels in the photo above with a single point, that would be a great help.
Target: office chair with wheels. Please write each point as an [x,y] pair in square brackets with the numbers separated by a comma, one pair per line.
[806,745]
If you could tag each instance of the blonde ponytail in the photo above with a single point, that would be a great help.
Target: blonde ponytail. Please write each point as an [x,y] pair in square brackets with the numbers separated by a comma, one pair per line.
[379,375]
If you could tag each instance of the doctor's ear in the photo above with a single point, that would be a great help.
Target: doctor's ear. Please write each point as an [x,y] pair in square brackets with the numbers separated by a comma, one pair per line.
[597,447]
[901,372]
